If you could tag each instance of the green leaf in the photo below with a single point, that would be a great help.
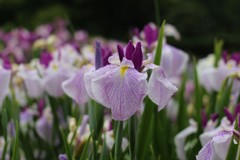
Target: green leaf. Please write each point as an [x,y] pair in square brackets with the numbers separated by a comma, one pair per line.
[16,143]
[224,96]
[144,135]
[96,112]
[217,51]
[198,98]
[118,141]
[233,148]
[84,154]
[182,108]
[4,150]
[158,54]
[66,146]
[104,149]
[132,128]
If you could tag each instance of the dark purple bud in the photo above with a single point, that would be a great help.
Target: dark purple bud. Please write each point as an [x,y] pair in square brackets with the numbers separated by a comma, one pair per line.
[62,157]
[45,58]
[151,34]
[6,63]
[225,56]
[98,56]
[204,118]
[129,50]
[138,57]
[238,120]
[236,57]
[214,117]
[229,115]
[106,53]
[41,104]
[120,52]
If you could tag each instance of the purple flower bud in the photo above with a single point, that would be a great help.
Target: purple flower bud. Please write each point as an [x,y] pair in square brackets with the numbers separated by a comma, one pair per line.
[120,52]
[204,118]
[229,115]
[98,56]
[214,117]
[129,50]
[138,57]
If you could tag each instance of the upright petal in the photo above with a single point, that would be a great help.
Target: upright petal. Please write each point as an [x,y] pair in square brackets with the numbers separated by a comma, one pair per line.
[160,88]
[174,61]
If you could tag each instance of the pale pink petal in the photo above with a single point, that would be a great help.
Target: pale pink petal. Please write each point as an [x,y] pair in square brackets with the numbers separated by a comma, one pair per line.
[75,87]
[221,143]
[160,88]
[174,61]
[206,153]
[181,138]
[122,89]
[91,74]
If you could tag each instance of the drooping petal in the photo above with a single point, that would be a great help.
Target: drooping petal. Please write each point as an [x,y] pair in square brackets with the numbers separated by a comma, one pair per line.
[74,87]
[53,80]
[221,143]
[92,74]
[33,83]
[206,153]
[181,138]
[160,88]
[122,89]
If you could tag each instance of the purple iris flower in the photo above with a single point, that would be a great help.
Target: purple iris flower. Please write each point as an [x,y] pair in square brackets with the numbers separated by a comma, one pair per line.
[121,87]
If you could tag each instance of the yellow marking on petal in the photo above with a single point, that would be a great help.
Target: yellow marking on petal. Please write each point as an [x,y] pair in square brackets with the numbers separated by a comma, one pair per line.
[55,67]
[230,65]
[123,70]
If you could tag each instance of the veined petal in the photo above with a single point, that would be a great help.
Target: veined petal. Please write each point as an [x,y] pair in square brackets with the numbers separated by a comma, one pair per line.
[92,74]
[161,89]
[173,60]
[221,143]
[75,87]
[122,89]
[206,153]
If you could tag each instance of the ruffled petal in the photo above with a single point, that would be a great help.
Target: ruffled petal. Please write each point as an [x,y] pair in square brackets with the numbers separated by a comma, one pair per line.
[122,89]
[161,89]
[91,74]
[206,153]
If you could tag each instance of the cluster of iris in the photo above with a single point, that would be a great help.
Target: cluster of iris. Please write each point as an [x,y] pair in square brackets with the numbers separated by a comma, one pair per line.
[66,95]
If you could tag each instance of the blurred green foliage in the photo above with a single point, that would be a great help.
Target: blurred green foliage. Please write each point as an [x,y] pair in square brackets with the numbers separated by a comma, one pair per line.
[199,21]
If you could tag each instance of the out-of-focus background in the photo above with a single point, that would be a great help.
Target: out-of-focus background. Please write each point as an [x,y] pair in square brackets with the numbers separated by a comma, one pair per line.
[199,21]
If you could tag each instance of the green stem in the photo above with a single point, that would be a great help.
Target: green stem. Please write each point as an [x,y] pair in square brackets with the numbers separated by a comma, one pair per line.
[118,141]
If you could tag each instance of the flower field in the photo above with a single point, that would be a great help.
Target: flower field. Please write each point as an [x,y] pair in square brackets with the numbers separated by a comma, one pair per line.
[70,96]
